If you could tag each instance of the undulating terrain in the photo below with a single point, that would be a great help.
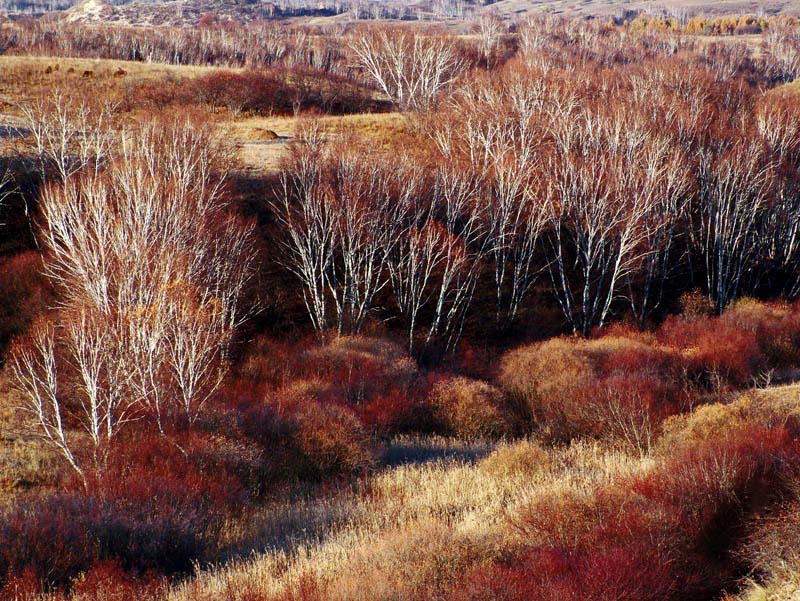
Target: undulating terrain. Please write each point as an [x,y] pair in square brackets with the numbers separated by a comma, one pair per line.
[400,302]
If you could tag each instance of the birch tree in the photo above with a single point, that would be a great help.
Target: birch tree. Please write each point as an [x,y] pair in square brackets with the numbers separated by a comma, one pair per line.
[151,270]
[69,135]
[731,211]
[599,210]
[342,215]
[412,69]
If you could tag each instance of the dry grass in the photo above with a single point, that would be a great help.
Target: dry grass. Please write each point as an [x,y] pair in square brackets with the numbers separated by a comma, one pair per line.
[416,528]
[25,460]
[263,141]
[24,77]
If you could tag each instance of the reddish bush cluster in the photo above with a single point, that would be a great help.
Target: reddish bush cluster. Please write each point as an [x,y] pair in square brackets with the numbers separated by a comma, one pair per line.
[716,352]
[621,385]
[256,92]
[736,348]
[154,510]
[371,378]
[664,535]
[625,383]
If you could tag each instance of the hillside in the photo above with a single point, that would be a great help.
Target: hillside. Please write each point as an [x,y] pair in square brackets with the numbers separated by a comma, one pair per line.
[189,12]
[618,8]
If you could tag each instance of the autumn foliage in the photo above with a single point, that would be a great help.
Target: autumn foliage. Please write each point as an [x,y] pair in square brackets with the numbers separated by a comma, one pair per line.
[523,338]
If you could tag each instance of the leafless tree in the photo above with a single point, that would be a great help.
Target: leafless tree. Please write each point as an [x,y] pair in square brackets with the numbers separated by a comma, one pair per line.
[599,212]
[35,374]
[412,69]
[778,122]
[497,132]
[664,183]
[372,199]
[782,234]
[81,352]
[69,135]
[732,206]
[782,52]
[517,217]
[152,271]
[490,31]
[342,214]
[414,266]
[457,199]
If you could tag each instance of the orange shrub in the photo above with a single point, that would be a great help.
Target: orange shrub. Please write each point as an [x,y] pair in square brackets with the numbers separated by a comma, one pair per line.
[545,380]
[332,440]
[326,439]
[470,409]
[621,385]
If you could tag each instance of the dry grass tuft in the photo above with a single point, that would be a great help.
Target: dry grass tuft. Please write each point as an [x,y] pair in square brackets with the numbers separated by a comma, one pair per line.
[524,458]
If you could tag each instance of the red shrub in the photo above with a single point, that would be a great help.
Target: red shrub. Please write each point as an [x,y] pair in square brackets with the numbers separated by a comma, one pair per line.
[610,574]
[47,541]
[107,581]
[279,92]
[776,327]
[24,294]
[396,411]
[26,586]
[157,94]
[746,467]
[666,535]
[716,352]
[176,470]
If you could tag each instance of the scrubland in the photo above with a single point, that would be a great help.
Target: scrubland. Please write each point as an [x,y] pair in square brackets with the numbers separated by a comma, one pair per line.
[389,313]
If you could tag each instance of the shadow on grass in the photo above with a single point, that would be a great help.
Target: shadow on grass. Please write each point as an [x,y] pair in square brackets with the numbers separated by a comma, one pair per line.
[421,449]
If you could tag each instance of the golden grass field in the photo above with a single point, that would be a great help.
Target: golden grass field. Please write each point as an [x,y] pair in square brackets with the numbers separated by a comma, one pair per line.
[260,141]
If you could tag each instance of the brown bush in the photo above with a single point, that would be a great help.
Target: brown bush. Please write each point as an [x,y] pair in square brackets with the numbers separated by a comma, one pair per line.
[704,423]
[470,409]
[359,367]
[544,379]
[696,304]
[619,385]
[328,438]
[24,294]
